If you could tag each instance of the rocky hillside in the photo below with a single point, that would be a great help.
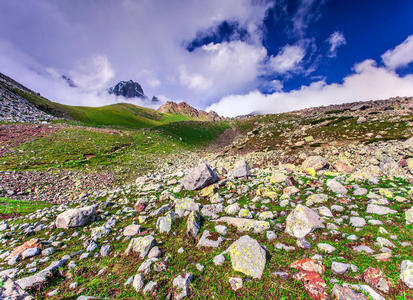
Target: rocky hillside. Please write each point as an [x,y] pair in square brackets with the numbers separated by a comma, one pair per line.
[310,230]
[312,204]
[186,109]
[14,108]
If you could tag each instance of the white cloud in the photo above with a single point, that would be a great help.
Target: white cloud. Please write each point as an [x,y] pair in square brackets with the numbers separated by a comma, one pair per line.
[368,82]
[307,12]
[194,81]
[336,39]
[276,85]
[287,60]
[400,56]
[141,35]
[93,74]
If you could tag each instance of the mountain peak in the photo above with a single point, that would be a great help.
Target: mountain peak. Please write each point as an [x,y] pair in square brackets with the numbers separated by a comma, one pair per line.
[127,89]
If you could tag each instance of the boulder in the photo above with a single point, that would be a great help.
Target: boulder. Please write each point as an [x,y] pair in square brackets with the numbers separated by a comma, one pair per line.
[406,273]
[336,187]
[76,217]
[376,279]
[301,221]
[247,256]
[164,224]
[409,216]
[193,224]
[379,210]
[199,177]
[141,245]
[241,169]
[314,162]
[131,230]
[10,290]
[347,293]
[182,284]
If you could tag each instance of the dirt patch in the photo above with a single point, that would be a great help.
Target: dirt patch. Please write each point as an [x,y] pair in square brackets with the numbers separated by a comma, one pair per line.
[12,135]
[225,139]
[8,216]
[53,185]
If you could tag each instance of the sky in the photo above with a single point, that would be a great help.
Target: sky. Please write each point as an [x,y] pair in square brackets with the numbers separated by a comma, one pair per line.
[232,56]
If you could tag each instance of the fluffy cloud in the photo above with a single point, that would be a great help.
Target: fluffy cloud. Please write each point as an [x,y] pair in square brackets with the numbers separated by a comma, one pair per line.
[287,60]
[368,82]
[336,39]
[400,56]
[136,36]
[94,74]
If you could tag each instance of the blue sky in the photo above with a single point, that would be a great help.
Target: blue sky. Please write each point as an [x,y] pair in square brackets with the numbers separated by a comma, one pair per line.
[232,56]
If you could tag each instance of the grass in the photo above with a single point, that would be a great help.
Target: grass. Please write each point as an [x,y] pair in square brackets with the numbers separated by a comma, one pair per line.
[127,153]
[11,206]
[194,133]
[124,115]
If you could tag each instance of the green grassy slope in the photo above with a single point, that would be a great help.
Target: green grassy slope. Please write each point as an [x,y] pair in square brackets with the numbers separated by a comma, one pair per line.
[120,115]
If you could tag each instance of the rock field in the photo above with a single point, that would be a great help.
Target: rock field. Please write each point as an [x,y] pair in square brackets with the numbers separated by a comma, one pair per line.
[319,230]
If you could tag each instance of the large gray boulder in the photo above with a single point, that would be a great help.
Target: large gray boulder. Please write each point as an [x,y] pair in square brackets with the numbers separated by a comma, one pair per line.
[141,245]
[302,220]
[199,177]
[241,169]
[76,217]
[247,256]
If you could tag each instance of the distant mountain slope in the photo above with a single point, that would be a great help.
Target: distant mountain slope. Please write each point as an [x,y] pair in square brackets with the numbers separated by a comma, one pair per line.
[186,109]
[121,114]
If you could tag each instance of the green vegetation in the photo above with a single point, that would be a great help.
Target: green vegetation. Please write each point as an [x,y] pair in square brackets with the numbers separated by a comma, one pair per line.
[128,153]
[194,133]
[10,206]
[116,115]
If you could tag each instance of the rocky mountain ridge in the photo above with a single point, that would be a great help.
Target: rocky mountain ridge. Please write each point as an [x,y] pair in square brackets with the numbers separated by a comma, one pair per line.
[186,109]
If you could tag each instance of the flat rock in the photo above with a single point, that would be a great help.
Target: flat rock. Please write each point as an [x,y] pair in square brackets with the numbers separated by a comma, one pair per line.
[315,199]
[246,225]
[379,210]
[336,187]
[347,293]
[357,222]
[131,230]
[205,240]
[247,256]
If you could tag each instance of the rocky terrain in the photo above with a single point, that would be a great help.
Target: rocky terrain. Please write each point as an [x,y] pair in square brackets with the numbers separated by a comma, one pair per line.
[186,109]
[312,204]
[14,108]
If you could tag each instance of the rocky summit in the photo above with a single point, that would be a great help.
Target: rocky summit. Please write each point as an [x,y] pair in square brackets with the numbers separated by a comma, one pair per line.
[313,204]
